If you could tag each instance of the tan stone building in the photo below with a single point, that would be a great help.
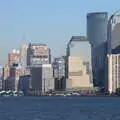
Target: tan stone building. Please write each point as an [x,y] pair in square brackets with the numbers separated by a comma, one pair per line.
[78,76]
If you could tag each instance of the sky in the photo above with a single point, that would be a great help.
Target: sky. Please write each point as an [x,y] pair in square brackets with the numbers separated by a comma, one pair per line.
[46,21]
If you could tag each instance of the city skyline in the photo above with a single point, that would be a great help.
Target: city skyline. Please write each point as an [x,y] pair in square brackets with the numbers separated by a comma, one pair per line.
[59,59]
[48,22]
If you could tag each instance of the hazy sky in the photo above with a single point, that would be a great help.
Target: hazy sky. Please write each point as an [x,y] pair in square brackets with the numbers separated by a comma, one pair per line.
[46,21]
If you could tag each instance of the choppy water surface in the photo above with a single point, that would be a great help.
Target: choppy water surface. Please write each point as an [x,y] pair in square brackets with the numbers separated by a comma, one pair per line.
[60,108]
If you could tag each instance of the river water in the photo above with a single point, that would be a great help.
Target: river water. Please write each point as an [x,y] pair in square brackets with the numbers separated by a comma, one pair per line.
[59,108]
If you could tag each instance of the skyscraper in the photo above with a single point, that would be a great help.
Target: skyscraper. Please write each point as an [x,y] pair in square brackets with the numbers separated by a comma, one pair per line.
[14,57]
[42,78]
[79,46]
[114,33]
[38,54]
[59,73]
[23,55]
[78,54]
[15,73]
[6,74]
[1,77]
[97,36]
[113,72]
[113,61]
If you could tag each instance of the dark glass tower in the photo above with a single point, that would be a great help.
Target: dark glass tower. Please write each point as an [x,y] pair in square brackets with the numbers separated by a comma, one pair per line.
[97,36]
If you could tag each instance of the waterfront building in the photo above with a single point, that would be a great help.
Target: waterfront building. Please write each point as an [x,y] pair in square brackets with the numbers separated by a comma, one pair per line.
[25,83]
[59,73]
[38,54]
[1,77]
[78,76]
[97,36]
[23,55]
[14,57]
[79,46]
[6,73]
[113,72]
[1,84]
[114,34]
[113,58]
[78,52]
[42,78]
[15,73]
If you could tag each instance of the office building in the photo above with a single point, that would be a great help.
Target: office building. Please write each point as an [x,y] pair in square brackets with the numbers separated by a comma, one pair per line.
[42,78]
[114,34]
[113,72]
[97,36]
[25,83]
[78,76]
[1,77]
[79,46]
[38,54]
[15,73]
[78,68]
[23,55]
[6,74]
[113,57]
[59,73]
[14,57]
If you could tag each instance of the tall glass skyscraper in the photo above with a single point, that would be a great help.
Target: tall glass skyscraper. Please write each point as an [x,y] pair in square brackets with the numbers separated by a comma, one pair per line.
[97,36]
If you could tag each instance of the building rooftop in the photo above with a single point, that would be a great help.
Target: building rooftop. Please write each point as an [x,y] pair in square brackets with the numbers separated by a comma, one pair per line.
[96,13]
[78,38]
[37,44]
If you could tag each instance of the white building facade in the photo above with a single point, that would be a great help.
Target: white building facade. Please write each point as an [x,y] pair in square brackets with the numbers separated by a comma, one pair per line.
[113,72]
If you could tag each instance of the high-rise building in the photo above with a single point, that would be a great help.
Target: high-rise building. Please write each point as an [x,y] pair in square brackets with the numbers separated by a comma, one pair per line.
[75,47]
[15,73]
[25,83]
[78,69]
[14,57]
[38,54]
[1,77]
[114,33]
[78,77]
[79,46]
[97,36]
[113,57]
[42,78]
[23,55]
[6,73]
[113,72]
[59,73]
